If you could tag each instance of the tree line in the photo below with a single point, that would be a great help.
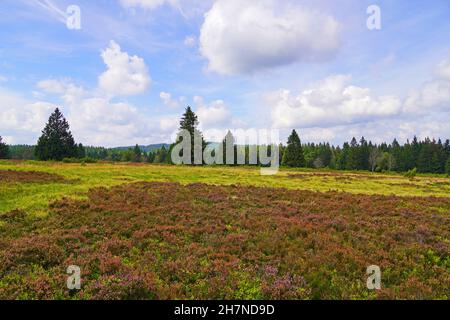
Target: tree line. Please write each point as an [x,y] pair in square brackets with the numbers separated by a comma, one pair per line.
[426,156]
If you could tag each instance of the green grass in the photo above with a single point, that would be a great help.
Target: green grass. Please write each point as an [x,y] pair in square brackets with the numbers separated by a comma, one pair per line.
[35,197]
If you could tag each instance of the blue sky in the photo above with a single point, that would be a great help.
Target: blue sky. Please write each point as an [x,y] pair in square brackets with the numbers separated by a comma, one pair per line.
[127,74]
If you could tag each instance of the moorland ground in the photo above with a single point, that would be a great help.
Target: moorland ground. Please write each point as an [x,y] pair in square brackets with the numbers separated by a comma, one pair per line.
[154,231]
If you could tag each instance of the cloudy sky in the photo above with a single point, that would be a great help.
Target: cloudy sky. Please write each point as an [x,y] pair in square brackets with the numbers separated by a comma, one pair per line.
[127,74]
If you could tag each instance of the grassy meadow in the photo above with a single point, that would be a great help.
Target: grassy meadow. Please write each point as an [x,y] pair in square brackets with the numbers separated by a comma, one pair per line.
[34,197]
[141,231]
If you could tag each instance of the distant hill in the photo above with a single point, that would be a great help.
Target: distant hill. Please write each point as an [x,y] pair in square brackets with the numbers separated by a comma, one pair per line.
[148,148]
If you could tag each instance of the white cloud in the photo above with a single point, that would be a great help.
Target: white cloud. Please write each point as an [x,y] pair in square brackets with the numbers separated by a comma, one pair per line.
[169,101]
[432,95]
[71,93]
[442,70]
[21,118]
[244,37]
[187,8]
[169,124]
[190,41]
[382,131]
[147,4]
[330,102]
[126,75]
[215,114]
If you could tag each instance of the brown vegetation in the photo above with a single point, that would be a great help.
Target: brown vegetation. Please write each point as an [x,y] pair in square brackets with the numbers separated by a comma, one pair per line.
[166,240]
[29,176]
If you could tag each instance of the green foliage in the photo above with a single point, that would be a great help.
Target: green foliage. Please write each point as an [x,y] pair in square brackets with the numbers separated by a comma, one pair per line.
[189,122]
[166,240]
[160,155]
[56,141]
[81,151]
[447,166]
[293,154]
[4,150]
[23,152]
[80,160]
[411,174]
[231,151]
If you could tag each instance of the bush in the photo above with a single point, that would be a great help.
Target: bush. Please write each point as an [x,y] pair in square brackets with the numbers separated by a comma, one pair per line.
[411,174]
[79,160]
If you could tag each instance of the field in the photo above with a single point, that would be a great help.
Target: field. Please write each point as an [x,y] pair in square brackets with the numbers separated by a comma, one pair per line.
[141,231]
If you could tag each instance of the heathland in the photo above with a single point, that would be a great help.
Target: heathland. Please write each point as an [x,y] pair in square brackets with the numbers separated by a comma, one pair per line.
[141,231]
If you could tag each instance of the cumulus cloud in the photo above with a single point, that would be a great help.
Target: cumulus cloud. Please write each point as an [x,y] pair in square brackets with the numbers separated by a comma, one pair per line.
[21,118]
[432,95]
[168,101]
[190,41]
[381,131]
[71,93]
[244,37]
[101,122]
[330,102]
[126,75]
[215,114]
[442,70]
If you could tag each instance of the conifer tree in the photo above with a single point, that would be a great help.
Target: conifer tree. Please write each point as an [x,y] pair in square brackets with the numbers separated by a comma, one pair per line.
[447,166]
[56,141]
[229,139]
[189,122]
[4,149]
[293,154]
[137,153]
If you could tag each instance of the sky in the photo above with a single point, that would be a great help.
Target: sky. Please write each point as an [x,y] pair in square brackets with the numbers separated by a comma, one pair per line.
[122,71]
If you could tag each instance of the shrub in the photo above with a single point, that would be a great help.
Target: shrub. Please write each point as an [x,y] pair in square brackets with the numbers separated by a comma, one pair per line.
[79,160]
[411,174]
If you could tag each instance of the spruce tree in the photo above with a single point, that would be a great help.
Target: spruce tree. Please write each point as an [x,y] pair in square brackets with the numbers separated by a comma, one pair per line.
[229,138]
[424,161]
[137,153]
[293,154]
[363,155]
[81,151]
[4,149]
[189,122]
[56,141]
[353,156]
[447,166]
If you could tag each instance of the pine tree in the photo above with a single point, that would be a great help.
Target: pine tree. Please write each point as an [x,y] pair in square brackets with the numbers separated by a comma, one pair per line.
[189,122]
[424,161]
[160,155]
[56,141]
[150,157]
[415,153]
[353,156]
[400,154]
[293,154]
[81,151]
[229,138]
[4,150]
[137,153]
[447,166]
[363,155]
